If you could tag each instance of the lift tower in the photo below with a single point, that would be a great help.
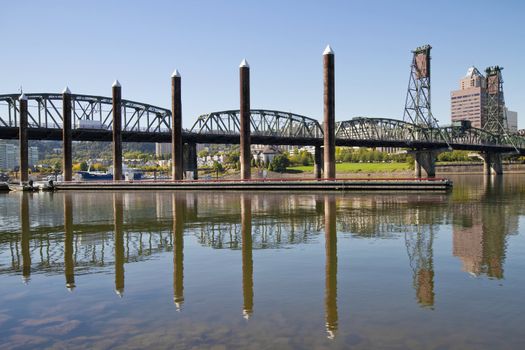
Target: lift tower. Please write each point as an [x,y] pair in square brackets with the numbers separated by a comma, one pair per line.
[417,103]
[496,118]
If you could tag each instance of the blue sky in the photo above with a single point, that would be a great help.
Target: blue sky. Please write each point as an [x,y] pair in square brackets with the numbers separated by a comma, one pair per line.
[87,44]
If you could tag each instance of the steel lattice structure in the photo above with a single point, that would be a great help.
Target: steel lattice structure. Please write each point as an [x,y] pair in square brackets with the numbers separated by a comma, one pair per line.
[262,122]
[418,102]
[496,119]
[45,111]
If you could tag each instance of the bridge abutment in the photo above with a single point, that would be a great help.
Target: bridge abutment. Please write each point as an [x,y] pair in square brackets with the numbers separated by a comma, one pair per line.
[67,162]
[245,154]
[176,127]
[329,113]
[23,140]
[117,131]
[318,162]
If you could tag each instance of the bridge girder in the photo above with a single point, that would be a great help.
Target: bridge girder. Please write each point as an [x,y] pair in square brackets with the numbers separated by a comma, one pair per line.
[45,112]
[263,123]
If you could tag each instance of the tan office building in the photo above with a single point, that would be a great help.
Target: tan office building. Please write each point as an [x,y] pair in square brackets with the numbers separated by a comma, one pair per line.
[468,102]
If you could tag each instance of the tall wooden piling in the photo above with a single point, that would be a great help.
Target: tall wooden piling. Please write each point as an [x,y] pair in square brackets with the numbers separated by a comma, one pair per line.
[67,162]
[329,112]
[177,148]
[117,131]
[245,156]
[23,140]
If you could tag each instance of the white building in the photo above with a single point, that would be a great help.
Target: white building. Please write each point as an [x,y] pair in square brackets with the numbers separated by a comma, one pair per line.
[10,156]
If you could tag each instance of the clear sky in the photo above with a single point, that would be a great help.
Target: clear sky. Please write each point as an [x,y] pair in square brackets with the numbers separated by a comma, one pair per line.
[86,45]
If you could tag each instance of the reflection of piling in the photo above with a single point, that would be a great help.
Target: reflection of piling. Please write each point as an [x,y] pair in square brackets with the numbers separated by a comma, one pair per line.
[117,130]
[69,264]
[329,113]
[176,127]
[247,260]
[331,267]
[24,224]
[67,163]
[179,211]
[118,216]
[23,146]
[246,155]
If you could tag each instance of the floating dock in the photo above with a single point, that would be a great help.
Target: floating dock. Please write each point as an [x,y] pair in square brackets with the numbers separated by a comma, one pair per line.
[365,184]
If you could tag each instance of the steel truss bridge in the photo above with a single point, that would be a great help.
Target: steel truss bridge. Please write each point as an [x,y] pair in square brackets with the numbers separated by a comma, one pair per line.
[92,121]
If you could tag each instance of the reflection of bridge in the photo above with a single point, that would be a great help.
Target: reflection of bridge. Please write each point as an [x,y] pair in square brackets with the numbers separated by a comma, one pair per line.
[91,119]
[121,236]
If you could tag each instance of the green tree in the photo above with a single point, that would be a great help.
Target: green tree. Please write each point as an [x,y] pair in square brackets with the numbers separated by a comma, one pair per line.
[279,163]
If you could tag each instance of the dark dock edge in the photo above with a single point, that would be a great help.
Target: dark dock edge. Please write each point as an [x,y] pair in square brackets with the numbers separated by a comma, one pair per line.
[264,185]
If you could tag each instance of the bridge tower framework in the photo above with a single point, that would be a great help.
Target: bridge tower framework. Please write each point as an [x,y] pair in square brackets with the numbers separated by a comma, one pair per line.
[418,103]
[496,119]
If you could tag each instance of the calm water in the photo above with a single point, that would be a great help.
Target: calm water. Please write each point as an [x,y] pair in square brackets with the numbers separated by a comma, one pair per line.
[265,271]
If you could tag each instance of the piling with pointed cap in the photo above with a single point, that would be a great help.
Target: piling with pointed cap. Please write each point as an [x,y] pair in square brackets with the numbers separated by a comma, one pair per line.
[245,156]
[67,162]
[117,131]
[176,127]
[329,112]
[22,136]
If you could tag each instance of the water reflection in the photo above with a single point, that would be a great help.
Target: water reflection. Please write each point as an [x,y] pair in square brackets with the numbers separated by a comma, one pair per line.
[69,263]
[178,212]
[118,214]
[331,267]
[481,218]
[26,236]
[247,260]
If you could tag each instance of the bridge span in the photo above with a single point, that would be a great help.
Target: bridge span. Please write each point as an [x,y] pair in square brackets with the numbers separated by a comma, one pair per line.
[67,117]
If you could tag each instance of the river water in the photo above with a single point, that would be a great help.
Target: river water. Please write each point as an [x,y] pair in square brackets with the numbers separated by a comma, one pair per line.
[201,270]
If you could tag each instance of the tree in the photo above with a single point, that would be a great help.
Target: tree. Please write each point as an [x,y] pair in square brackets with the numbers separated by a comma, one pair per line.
[279,163]
[203,153]
[84,166]
[217,168]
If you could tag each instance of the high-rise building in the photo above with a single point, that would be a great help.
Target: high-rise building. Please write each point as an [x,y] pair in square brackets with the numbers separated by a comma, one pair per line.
[468,103]
[512,120]
[10,156]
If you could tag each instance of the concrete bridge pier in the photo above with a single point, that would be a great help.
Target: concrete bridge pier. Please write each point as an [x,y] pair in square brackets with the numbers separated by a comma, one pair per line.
[318,162]
[246,154]
[117,131]
[425,163]
[492,163]
[24,143]
[329,112]
[190,161]
[176,128]
[67,162]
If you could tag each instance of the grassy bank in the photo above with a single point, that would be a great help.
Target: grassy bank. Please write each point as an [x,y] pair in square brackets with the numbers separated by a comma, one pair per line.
[360,167]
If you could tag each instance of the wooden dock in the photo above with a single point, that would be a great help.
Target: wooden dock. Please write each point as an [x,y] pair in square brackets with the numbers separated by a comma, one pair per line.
[365,184]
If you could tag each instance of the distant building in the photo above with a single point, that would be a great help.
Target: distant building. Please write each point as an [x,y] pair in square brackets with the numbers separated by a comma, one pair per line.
[10,156]
[162,149]
[468,103]
[512,120]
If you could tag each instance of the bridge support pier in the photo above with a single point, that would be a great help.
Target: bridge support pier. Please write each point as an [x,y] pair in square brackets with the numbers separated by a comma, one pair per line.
[318,162]
[190,163]
[246,154]
[425,163]
[117,131]
[176,127]
[24,144]
[492,163]
[329,113]
[67,162]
